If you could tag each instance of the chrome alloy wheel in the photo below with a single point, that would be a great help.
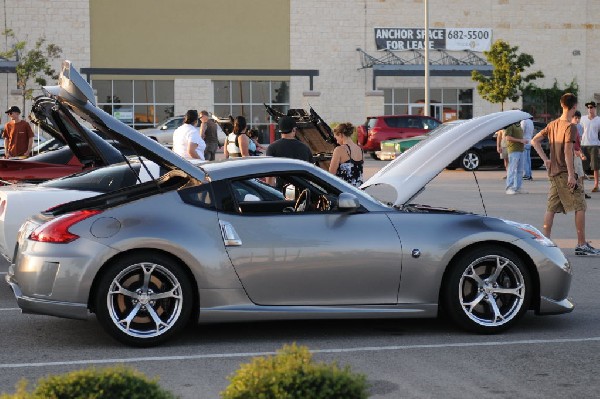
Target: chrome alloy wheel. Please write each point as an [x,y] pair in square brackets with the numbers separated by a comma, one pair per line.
[470,161]
[144,300]
[492,290]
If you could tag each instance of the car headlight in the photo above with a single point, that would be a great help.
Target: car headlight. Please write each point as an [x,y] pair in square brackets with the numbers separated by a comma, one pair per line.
[535,233]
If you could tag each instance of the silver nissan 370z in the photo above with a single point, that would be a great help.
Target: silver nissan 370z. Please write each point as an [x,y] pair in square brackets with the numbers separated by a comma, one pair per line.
[265,238]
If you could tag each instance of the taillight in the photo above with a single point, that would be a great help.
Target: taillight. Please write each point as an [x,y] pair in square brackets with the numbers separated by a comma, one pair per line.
[57,230]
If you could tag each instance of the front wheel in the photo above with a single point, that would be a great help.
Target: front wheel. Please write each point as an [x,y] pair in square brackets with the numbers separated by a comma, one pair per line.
[470,161]
[142,299]
[487,290]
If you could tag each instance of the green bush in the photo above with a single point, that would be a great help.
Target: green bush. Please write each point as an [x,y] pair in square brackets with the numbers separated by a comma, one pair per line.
[108,383]
[292,374]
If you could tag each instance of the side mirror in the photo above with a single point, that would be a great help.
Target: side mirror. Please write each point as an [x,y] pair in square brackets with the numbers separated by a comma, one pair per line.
[348,202]
[164,127]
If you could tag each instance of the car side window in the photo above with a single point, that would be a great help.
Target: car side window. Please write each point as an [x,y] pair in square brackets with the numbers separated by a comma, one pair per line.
[200,195]
[279,194]
[174,123]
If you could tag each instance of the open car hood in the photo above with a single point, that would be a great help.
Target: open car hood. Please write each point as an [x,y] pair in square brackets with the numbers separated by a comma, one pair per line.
[77,95]
[416,167]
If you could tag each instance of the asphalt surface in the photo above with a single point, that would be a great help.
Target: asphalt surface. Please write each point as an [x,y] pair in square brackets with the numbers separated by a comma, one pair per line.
[541,357]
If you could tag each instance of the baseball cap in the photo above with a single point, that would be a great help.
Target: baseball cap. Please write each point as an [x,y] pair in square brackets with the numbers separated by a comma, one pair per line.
[14,108]
[286,124]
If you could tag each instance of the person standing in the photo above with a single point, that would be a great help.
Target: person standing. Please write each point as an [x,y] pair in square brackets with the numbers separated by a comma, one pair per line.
[237,141]
[590,140]
[515,144]
[287,146]
[187,142]
[565,194]
[208,132]
[17,134]
[578,157]
[502,150]
[347,158]
[527,127]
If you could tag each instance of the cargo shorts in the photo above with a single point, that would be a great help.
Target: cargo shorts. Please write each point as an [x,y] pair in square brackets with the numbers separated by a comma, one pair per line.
[562,199]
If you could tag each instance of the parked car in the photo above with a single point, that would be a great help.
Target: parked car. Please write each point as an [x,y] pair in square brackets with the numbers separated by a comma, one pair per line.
[223,247]
[485,154]
[163,133]
[390,149]
[73,149]
[379,128]
[42,196]
[312,130]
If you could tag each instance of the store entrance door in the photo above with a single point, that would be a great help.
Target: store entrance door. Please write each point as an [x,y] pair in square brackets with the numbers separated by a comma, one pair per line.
[435,110]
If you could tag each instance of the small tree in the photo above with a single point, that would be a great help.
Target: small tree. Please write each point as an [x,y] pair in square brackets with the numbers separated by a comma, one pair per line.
[507,77]
[33,64]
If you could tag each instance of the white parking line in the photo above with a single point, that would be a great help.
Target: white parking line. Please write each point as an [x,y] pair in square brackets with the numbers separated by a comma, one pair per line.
[341,350]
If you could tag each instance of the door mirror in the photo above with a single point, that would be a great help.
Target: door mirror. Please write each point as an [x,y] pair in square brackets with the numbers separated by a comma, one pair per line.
[348,202]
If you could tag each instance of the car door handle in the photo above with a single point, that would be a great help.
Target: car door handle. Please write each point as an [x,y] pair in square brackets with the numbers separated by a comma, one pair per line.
[230,237]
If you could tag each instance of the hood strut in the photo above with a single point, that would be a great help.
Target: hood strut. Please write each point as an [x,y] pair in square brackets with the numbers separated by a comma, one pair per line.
[480,196]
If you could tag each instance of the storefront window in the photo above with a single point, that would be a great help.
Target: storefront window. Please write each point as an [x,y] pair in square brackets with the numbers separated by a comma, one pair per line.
[138,103]
[446,104]
[246,98]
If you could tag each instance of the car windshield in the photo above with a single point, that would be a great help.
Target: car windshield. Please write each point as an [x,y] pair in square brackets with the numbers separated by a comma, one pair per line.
[102,180]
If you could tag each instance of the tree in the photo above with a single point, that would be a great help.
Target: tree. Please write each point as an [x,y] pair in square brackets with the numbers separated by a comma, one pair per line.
[33,64]
[544,103]
[507,77]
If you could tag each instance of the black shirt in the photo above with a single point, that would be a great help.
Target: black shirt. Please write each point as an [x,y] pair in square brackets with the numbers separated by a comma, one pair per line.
[290,148]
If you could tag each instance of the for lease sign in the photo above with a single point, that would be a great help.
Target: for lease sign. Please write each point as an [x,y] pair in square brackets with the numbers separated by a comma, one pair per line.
[401,39]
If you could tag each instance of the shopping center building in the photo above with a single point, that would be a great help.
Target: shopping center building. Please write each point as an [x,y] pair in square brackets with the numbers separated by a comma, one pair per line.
[150,59]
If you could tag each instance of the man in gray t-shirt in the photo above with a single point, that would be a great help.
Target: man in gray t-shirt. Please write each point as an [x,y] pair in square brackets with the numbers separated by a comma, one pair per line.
[208,131]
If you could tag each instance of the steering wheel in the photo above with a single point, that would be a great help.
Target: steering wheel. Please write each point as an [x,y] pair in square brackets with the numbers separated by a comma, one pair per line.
[323,203]
[303,201]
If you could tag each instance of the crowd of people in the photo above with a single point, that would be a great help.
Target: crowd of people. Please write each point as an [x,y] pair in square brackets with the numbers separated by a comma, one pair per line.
[191,141]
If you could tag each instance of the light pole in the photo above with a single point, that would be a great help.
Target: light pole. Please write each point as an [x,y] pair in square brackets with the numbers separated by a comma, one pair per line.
[426,113]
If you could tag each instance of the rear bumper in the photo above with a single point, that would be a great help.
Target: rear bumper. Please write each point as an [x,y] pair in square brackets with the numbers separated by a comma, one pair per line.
[46,307]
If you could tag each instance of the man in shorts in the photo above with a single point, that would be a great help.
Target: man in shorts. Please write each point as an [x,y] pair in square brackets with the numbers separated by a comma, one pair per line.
[565,193]
[590,140]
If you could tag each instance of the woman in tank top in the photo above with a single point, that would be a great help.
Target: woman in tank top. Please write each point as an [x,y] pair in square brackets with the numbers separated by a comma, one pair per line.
[347,159]
[237,141]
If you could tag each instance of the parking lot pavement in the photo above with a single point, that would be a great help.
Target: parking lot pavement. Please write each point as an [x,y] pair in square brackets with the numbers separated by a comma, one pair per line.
[542,357]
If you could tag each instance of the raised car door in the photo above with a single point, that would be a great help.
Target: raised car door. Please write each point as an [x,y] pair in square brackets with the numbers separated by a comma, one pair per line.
[315,258]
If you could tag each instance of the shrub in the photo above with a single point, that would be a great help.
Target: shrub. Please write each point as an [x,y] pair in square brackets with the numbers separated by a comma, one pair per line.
[107,383]
[292,374]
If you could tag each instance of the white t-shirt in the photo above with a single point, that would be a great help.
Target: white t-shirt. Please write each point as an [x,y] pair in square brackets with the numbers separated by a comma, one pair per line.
[184,135]
[590,131]
[527,126]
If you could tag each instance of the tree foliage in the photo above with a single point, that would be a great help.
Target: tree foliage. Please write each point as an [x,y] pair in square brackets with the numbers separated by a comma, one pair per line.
[508,75]
[544,103]
[33,65]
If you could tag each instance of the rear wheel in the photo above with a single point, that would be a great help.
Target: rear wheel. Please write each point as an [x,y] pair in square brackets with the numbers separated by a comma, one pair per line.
[487,290]
[374,156]
[470,161]
[143,299]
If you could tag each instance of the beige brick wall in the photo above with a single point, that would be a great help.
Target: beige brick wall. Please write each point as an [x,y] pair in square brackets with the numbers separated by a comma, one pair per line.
[324,35]
[65,23]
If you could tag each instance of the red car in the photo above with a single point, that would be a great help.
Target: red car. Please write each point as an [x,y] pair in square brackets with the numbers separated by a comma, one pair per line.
[83,151]
[379,128]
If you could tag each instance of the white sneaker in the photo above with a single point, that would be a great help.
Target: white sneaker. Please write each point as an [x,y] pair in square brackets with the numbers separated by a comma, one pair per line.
[510,191]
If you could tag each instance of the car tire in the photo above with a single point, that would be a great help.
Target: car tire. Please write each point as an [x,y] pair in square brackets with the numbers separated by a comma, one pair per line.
[374,156]
[487,290]
[470,161]
[124,300]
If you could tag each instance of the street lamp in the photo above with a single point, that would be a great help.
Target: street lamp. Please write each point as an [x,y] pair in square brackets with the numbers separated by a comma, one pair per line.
[426,113]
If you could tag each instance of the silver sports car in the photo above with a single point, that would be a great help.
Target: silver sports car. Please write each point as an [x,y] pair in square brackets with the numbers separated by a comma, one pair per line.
[271,238]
